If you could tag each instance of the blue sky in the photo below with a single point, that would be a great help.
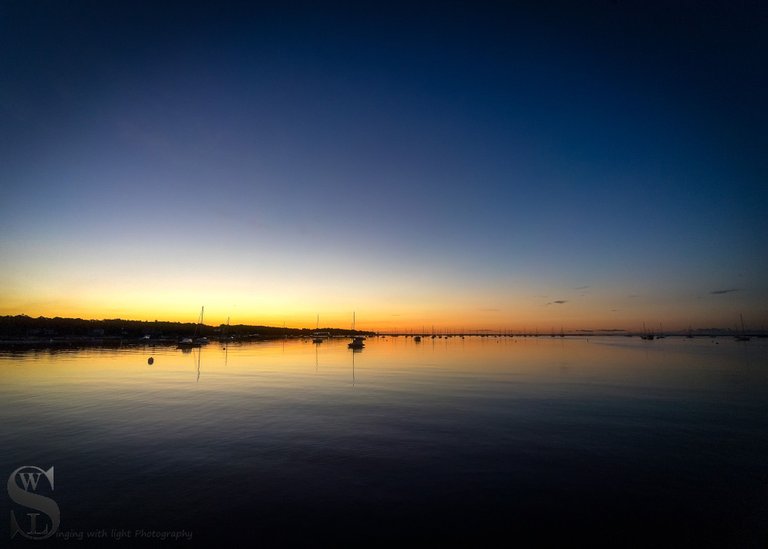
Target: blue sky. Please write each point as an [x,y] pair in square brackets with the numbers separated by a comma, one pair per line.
[420,163]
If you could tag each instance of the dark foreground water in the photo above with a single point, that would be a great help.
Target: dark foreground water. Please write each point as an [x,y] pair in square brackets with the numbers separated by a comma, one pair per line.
[531,442]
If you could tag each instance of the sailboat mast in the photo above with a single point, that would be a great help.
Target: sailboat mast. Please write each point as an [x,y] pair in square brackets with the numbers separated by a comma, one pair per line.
[199,321]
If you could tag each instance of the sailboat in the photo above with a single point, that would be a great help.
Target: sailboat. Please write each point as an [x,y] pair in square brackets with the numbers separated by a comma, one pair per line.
[195,341]
[318,336]
[743,335]
[202,340]
[357,341]
[646,334]
[225,333]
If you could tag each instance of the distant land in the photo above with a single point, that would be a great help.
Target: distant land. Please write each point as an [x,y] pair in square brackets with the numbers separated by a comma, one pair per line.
[26,331]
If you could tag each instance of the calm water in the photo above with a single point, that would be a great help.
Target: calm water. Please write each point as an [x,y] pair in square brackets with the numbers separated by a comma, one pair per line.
[611,441]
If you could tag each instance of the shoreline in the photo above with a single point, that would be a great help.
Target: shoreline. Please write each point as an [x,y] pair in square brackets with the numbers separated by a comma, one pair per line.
[79,342]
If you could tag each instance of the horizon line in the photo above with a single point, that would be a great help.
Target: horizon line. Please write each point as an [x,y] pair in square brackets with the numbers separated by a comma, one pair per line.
[432,331]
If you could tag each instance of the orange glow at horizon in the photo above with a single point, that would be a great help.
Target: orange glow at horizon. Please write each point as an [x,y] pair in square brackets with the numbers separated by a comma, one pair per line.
[394,300]
[533,317]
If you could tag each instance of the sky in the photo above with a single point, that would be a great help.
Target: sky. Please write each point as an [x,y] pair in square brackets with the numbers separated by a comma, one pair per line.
[451,164]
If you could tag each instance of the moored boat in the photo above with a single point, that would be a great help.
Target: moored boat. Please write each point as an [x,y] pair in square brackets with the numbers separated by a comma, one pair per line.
[194,341]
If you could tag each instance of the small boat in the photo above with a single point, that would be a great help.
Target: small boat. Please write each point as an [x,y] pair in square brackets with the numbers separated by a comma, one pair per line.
[648,336]
[187,343]
[358,342]
[743,335]
[318,336]
[417,339]
[202,340]
[194,341]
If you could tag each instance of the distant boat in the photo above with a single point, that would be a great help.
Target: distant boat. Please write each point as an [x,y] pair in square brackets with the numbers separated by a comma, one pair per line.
[646,334]
[224,336]
[195,341]
[743,335]
[357,342]
[187,343]
[318,336]
[201,340]
[417,339]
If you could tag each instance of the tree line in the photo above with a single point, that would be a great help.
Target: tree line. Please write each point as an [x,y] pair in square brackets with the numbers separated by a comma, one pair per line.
[23,326]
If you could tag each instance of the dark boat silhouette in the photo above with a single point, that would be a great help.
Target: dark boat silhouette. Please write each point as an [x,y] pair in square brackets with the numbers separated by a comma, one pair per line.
[743,335]
[194,341]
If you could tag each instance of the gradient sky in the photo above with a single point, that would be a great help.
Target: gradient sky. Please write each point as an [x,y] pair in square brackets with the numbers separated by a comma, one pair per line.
[449,164]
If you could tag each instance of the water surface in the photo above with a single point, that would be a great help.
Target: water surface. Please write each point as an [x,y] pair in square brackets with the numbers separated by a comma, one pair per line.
[603,441]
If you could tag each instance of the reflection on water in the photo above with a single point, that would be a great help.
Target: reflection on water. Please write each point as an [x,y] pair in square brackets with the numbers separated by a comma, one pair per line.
[610,441]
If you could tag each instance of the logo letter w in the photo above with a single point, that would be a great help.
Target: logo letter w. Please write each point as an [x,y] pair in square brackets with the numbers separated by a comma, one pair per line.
[29,478]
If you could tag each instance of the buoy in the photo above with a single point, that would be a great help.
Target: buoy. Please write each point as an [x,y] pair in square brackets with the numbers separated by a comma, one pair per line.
[150,361]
